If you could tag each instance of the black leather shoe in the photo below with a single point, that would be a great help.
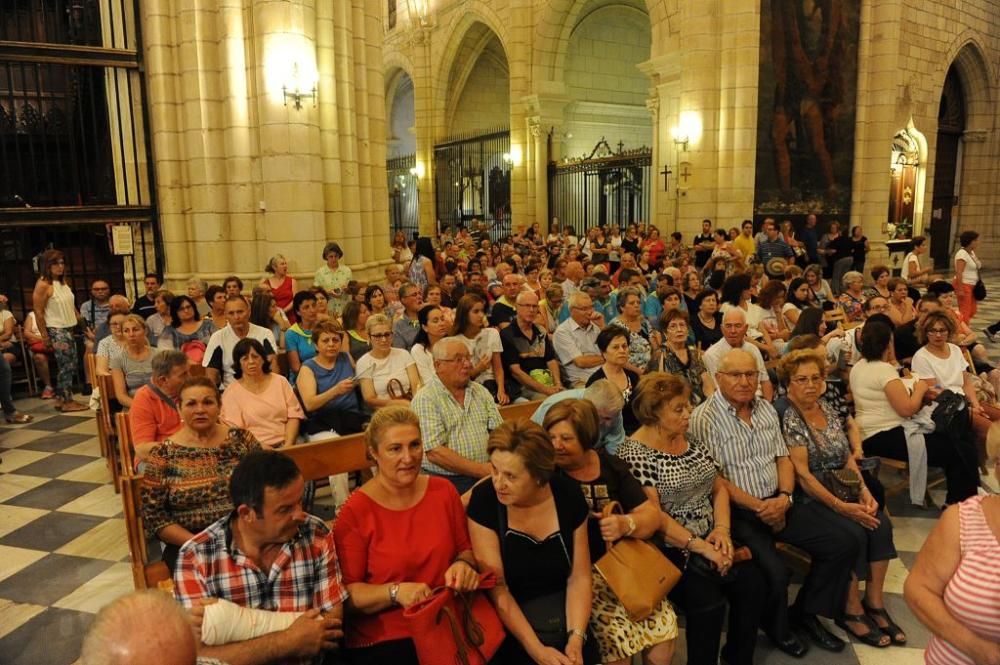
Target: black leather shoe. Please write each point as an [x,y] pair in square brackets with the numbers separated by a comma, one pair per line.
[791,645]
[818,634]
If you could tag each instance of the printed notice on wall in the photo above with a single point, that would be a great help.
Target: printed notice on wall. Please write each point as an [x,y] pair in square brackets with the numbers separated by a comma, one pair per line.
[121,239]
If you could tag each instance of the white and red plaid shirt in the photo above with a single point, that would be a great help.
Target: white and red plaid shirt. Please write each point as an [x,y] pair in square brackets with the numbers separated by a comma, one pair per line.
[305,575]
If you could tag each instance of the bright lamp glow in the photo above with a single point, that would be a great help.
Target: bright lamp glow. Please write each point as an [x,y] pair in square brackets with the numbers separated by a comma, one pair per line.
[688,129]
[290,69]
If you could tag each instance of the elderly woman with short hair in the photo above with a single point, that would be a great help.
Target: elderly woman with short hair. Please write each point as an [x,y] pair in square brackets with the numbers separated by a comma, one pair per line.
[820,445]
[333,277]
[681,477]
[852,298]
[573,425]
[529,526]
[641,336]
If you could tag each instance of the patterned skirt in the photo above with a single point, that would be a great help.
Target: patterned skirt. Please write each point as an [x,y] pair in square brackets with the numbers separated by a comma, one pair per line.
[618,637]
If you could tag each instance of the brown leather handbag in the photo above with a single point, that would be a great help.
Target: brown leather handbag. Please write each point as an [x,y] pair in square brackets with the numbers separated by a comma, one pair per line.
[637,572]
[396,391]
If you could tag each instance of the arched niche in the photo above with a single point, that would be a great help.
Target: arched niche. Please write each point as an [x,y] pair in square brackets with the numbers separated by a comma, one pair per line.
[907,183]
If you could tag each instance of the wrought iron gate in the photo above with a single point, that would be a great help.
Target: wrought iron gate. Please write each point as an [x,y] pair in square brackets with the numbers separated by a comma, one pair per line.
[74,146]
[605,187]
[472,178]
[404,204]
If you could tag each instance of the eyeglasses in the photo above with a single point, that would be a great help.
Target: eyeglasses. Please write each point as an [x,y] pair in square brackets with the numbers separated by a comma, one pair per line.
[458,359]
[381,335]
[528,306]
[937,331]
[677,326]
[737,376]
[806,380]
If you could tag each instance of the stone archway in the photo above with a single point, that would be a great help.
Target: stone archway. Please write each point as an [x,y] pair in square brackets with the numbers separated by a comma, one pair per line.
[961,149]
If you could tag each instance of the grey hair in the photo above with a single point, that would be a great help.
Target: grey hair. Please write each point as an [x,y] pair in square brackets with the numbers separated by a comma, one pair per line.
[134,627]
[732,355]
[576,297]
[164,362]
[442,348]
[852,276]
[605,396]
[377,320]
[524,294]
[736,311]
[199,282]
[623,295]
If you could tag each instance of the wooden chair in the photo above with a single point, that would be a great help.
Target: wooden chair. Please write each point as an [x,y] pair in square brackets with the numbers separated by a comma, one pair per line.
[283,363]
[145,575]
[903,483]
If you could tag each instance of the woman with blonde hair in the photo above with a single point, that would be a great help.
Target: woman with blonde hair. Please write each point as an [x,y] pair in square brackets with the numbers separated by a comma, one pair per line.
[574,426]
[132,368]
[399,536]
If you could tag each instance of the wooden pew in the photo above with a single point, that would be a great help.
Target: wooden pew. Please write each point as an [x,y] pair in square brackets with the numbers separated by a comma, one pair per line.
[145,575]
[125,443]
[316,461]
[110,446]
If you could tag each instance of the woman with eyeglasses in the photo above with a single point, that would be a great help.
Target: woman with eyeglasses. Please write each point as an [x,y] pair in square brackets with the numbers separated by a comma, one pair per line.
[943,366]
[549,308]
[111,346]
[187,332]
[387,375]
[56,315]
[882,401]
[821,443]
[685,360]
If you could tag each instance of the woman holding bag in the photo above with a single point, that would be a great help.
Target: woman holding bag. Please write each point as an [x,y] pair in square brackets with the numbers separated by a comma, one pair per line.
[529,527]
[820,447]
[401,535]
[573,426]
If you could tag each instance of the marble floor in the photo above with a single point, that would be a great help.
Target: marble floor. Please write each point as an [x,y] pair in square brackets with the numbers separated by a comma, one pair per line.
[63,552]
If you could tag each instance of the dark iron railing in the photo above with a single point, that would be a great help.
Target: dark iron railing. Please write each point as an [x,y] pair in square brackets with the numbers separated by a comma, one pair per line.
[472,178]
[75,154]
[606,187]
[404,204]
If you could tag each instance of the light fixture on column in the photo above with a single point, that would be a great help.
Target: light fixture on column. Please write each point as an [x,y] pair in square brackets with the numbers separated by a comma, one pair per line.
[688,130]
[293,89]
[420,12]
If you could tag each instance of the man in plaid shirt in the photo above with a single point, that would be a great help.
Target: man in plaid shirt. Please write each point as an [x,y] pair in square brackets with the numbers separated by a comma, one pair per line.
[267,554]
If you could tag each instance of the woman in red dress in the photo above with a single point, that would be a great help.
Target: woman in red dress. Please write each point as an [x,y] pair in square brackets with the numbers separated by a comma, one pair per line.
[398,537]
[282,287]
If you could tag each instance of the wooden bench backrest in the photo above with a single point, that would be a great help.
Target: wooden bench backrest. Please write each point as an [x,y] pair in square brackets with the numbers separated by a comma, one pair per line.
[522,410]
[330,457]
[145,575]
[125,443]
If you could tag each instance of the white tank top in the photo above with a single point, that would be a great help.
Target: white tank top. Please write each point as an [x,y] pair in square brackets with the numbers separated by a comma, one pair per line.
[60,310]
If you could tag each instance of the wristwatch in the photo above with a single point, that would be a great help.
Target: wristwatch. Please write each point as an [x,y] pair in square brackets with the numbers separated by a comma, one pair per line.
[582,634]
[791,501]
[393,592]
[631,525]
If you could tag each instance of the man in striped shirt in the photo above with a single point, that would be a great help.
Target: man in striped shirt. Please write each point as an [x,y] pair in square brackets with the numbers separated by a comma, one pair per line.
[743,433]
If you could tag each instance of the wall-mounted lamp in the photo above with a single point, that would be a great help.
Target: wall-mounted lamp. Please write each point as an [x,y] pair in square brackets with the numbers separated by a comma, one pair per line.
[420,12]
[293,90]
[688,130]
[513,157]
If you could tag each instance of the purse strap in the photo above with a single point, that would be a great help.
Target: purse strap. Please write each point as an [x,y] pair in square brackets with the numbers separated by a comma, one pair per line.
[611,508]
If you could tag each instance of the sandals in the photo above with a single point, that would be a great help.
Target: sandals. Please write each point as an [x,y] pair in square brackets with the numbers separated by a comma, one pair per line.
[18,418]
[70,406]
[873,637]
[894,632]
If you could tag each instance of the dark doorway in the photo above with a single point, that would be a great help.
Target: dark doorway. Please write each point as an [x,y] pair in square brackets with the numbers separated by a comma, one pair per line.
[951,125]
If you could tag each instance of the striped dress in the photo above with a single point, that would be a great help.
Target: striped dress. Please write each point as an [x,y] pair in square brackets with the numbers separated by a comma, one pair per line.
[973,594]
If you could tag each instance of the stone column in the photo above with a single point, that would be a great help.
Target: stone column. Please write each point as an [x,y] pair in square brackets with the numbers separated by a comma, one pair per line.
[242,173]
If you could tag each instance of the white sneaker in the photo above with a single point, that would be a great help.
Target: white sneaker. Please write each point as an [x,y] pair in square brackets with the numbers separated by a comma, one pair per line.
[992,336]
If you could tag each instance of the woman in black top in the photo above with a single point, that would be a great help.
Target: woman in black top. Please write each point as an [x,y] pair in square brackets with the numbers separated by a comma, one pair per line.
[707,321]
[530,528]
[574,427]
[613,343]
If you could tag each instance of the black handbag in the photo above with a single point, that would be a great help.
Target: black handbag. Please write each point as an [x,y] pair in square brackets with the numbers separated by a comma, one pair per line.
[979,291]
[949,405]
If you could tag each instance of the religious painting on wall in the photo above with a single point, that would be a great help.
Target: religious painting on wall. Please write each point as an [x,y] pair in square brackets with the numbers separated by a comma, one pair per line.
[806,107]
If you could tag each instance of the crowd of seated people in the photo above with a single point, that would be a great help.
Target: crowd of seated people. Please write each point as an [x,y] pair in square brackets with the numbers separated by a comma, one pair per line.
[718,393]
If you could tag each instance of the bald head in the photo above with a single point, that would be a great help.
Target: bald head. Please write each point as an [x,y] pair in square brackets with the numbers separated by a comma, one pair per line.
[144,626]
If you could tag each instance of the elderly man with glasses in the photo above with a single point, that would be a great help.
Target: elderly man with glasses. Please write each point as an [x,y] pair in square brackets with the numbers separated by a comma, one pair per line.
[529,353]
[456,417]
[734,336]
[743,434]
[575,340]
